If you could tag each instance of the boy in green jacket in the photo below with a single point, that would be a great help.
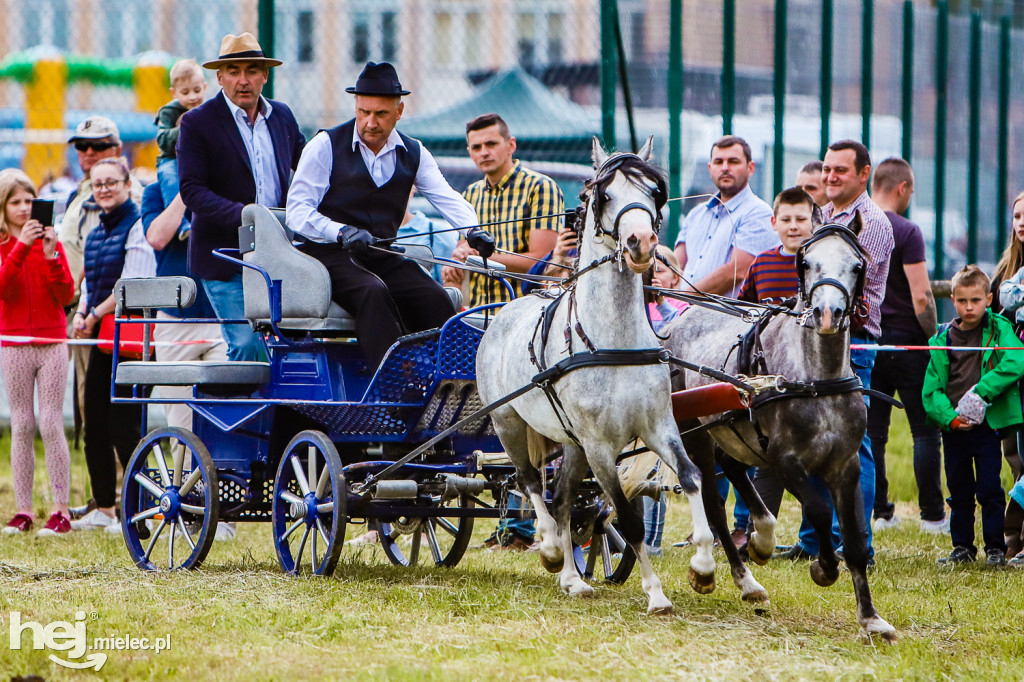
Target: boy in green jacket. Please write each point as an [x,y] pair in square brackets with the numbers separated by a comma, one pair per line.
[982,384]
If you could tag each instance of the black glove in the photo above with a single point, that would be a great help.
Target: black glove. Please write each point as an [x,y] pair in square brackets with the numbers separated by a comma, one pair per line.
[482,241]
[357,240]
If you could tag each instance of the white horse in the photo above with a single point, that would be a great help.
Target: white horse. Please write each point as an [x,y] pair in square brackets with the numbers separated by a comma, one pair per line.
[597,409]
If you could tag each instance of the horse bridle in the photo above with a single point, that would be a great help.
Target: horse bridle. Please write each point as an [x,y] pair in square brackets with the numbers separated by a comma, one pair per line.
[604,174]
[852,298]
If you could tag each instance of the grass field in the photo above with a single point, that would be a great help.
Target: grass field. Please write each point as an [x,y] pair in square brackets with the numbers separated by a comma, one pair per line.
[500,616]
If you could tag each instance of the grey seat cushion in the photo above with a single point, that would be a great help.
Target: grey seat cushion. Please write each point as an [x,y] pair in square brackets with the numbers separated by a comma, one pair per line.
[192,373]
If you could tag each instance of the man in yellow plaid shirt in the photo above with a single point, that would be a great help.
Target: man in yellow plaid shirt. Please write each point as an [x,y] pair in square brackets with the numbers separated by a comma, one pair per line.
[508,192]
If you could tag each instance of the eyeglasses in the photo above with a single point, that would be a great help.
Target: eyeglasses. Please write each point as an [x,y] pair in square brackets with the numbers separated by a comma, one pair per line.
[95,145]
[109,184]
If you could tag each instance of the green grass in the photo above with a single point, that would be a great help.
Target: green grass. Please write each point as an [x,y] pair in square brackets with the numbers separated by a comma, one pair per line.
[500,616]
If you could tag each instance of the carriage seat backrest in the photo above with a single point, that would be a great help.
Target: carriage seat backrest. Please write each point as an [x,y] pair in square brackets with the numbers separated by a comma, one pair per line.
[306,302]
[136,296]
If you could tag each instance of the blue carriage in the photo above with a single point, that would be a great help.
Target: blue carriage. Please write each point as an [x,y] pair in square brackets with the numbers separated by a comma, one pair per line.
[312,439]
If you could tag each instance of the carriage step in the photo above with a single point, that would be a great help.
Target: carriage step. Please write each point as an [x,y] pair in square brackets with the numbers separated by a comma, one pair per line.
[193,373]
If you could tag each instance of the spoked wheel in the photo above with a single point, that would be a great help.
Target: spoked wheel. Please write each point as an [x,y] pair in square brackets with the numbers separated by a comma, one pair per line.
[310,497]
[444,537]
[169,502]
[608,556]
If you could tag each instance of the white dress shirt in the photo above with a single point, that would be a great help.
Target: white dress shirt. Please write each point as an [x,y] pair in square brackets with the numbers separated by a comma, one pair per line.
[139,261]
[313,177]
[260,147]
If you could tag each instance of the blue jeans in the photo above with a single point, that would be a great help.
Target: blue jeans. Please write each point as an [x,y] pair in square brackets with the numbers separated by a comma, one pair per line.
[973,462]
[524,528]
[654,520]
[863,362]
[903,373]
[229,304]
[167,176]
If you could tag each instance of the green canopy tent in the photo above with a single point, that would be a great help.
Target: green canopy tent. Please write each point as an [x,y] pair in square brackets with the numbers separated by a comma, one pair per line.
[547,126]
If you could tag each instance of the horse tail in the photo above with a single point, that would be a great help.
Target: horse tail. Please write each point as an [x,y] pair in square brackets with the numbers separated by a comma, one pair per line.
[638,472]
[539,447]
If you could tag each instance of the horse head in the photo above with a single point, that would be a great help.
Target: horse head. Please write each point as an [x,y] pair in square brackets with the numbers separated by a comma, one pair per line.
[625,198]
[831,266]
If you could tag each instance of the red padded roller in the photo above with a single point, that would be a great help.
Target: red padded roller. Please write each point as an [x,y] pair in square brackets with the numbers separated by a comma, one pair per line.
[706,400]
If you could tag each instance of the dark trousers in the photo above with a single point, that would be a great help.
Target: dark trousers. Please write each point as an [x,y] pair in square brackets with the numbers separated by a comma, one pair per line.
[109,428]
[387,295]
[973,460]
[902,373]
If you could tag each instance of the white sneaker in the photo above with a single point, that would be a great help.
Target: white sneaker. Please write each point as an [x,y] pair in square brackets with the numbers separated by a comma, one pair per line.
[95,520]
[936,527]
[225,532]
[882,523]
[114,529]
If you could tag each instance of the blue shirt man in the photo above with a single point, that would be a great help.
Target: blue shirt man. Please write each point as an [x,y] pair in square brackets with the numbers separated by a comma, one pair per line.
[719,239]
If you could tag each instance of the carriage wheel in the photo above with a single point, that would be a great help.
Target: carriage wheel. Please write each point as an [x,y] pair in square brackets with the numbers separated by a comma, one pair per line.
[310,496]
[445,538]
[608,556]
[169,502]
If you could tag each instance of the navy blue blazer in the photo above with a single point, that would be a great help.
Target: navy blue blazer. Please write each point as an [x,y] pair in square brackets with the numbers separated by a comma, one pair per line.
[215,177]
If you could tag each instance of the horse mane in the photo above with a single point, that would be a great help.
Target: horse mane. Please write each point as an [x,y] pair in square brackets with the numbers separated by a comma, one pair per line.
[634,169]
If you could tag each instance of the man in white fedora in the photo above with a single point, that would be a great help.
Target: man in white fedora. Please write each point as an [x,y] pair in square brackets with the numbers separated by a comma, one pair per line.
[238,148]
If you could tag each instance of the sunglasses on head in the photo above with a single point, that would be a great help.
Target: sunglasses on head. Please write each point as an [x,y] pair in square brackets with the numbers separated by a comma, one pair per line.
[95,145]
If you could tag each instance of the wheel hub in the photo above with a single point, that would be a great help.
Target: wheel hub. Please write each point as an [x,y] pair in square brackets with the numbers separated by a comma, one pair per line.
[169,504]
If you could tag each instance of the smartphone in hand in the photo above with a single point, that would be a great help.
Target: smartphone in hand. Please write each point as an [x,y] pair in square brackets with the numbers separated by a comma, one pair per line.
[42,210]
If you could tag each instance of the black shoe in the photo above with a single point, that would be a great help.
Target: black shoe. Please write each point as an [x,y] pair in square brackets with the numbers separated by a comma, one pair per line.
[995,557]
[959,555]
[795,553]
[79,512]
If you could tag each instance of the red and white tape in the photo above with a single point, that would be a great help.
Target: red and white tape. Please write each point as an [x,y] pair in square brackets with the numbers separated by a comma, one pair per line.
[96,342]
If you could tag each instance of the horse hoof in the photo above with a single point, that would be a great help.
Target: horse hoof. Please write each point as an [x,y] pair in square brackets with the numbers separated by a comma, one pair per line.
[660,610]
[757,596]
[821,576]
[580,589]
[552,565]
[756,556]
[702,584]
[879,626]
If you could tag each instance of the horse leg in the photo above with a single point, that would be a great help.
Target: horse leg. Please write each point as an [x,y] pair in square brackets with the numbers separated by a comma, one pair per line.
[762,540]
[512,431]
[742,577]
[669,447]
[825,569]
[631,523]
[570,473]
[849,508]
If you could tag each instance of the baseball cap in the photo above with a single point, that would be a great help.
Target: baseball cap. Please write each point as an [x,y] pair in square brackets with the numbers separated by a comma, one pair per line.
[96,128]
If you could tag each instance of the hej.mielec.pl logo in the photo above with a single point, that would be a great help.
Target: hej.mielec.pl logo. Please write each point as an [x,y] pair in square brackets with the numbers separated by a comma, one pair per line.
[71,639]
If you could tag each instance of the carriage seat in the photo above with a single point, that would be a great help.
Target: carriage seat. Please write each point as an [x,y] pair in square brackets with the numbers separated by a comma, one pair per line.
[306,304]
[142,297]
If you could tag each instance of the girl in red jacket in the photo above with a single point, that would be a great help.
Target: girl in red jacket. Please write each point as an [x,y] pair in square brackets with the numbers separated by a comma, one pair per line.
[35,285]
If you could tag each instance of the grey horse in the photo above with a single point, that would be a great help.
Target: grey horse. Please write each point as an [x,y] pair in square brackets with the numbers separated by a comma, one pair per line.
[596,410]
[798,433]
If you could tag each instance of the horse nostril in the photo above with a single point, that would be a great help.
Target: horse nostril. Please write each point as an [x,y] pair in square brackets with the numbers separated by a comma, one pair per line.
[632,241]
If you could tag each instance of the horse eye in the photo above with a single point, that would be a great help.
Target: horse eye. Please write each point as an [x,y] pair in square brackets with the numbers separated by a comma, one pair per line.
[605,197]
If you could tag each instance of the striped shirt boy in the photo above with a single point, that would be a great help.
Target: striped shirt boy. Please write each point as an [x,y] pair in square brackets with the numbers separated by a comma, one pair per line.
[771,275]
[519,196]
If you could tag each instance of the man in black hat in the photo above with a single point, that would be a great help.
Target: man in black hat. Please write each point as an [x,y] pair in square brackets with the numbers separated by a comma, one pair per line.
[351,188]
[238,148]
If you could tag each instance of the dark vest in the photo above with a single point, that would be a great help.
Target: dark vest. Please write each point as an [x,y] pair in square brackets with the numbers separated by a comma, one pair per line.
[104,251]
[352,197]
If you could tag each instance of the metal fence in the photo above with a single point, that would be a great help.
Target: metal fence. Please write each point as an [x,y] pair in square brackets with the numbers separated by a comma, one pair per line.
[939,85]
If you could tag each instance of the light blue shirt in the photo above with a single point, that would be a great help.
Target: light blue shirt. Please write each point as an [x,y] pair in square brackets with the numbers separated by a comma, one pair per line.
[260,147]
[420,230]
[712,230]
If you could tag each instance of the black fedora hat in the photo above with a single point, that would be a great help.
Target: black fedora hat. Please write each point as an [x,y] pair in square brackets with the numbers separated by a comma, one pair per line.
[380,80]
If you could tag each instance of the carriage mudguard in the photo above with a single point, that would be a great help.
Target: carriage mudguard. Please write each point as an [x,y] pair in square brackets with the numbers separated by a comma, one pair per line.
[1000,371]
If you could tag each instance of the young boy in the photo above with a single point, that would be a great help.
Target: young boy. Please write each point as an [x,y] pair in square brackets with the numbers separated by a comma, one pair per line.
[773,272]
[189,89]
[972,395]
